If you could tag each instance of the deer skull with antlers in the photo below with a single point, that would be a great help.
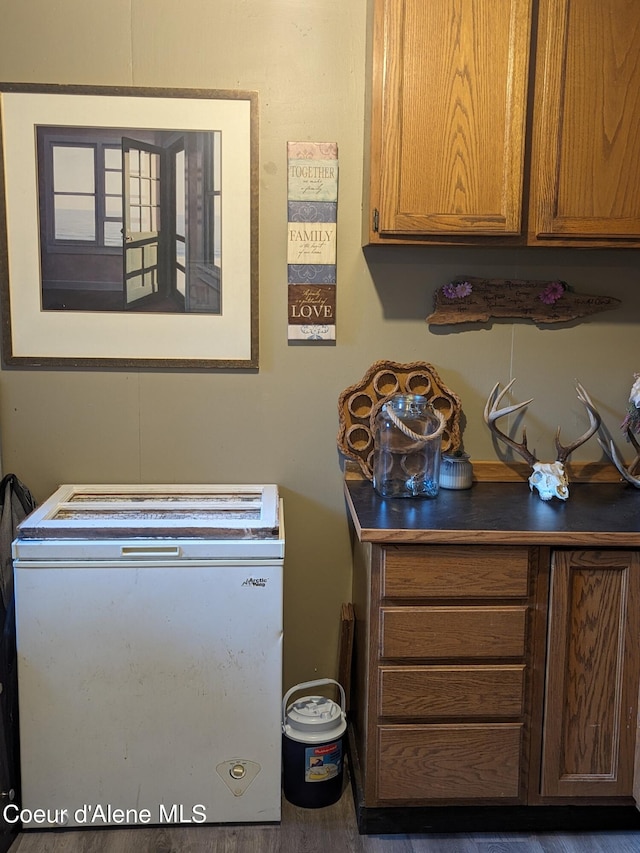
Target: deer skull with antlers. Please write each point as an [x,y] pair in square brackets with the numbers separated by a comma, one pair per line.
[548,478]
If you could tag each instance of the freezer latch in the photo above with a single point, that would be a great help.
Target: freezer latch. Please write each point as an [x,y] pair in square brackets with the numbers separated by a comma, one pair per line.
[237,774]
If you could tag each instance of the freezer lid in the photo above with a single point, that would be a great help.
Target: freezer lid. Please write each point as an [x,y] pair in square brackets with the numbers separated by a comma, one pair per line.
[186,511]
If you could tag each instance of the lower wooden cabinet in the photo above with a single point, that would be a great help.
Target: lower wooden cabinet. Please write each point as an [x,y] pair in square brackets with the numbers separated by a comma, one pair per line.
[593,658]
[495,675]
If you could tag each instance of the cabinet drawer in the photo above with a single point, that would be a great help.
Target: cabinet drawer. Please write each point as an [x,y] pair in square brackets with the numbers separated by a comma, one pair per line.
[449,762]
[448,571]
[443,632]
[451,691]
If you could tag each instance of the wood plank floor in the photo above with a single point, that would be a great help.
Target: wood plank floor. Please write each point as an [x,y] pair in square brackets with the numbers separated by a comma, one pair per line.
[328,830]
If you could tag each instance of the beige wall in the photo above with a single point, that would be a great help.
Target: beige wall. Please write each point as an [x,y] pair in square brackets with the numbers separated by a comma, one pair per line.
[306,60]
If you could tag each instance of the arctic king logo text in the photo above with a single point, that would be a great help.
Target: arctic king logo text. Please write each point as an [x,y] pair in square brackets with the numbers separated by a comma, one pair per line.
[255,582]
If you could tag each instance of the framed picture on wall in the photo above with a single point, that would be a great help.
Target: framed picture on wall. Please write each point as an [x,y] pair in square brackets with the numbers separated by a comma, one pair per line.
[128,227]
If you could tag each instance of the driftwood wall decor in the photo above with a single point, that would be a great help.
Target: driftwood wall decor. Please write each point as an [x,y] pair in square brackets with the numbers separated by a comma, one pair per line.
[476,300]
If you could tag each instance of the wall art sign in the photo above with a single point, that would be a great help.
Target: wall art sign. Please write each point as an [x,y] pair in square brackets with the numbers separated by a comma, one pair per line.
[312,208]
[128,227]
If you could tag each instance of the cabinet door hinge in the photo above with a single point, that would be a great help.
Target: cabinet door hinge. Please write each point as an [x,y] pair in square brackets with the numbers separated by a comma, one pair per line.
[376,219]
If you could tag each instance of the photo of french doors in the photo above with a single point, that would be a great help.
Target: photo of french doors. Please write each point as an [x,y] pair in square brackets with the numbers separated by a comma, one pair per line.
[130,220]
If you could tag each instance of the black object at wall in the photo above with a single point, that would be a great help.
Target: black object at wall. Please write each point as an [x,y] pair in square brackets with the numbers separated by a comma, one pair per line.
[16,502]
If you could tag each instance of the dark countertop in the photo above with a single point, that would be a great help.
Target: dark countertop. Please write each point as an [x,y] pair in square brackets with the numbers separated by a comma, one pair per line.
[606,514]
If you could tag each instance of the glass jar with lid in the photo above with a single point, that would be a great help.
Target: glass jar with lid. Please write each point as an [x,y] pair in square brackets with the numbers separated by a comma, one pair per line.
[407,438]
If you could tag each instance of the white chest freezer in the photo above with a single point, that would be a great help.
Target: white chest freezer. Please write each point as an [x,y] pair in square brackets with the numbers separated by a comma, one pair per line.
[149,636]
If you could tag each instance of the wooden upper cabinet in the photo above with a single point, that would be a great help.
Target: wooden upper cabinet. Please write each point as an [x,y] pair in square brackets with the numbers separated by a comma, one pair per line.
[448,116]
[506,122]
[585,176]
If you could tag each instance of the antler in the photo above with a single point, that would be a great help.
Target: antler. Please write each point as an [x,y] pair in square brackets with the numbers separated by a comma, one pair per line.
[629,472]
[491,415]
[594,426]
[633,467]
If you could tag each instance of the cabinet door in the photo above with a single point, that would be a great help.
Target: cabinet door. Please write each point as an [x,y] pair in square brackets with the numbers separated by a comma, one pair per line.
[585,177]
[592,674]
[448,115]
